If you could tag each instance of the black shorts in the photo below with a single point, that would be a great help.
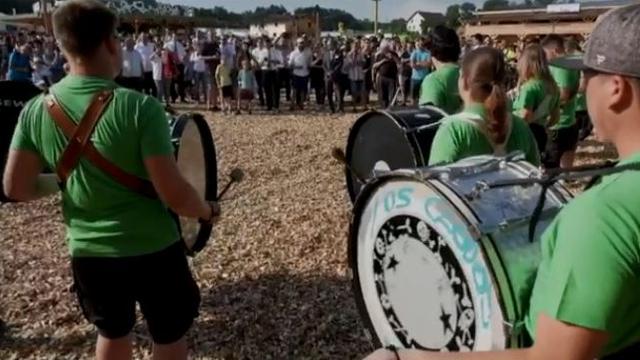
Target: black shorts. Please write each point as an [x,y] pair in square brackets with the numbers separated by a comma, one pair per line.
[227,92]
[108,289]
[560,141]
[540,134]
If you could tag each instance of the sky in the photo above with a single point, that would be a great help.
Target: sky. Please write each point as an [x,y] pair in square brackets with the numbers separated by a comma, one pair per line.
[389,9]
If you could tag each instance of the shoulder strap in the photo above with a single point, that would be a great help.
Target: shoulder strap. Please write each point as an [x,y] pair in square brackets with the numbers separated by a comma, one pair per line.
[479,123]
[80,144]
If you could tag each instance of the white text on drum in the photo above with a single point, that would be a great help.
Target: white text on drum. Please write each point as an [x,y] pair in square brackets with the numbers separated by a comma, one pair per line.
[439,213]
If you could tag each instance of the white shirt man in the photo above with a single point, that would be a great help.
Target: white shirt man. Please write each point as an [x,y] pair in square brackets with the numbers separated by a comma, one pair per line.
[269,58]
[131,64]
[355,64]
[300,61]
[145,50]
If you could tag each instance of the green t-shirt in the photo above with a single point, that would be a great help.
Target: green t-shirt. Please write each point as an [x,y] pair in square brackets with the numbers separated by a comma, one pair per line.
[589,274]
[102,217]
[457,138]
[440,89]
[566,79]
[534,96]
[581,98]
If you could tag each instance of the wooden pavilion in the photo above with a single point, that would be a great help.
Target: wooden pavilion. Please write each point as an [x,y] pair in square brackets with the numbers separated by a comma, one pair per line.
[511,25]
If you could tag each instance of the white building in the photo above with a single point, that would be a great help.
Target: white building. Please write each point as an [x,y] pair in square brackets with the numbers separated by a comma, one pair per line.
[414,24]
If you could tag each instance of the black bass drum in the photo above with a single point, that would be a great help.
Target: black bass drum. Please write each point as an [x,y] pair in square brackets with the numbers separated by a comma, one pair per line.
[390,140]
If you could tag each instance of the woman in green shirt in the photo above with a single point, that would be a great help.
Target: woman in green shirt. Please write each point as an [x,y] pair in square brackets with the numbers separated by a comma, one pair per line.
[440,88]
[485,126]
[537,97]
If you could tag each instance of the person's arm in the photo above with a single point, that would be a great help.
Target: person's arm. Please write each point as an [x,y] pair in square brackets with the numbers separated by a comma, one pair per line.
[554,117]
[567,94]
[22,180]
[555,340]
[172,188]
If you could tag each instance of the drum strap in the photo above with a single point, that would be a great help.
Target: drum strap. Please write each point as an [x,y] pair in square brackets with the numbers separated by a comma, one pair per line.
[80,144]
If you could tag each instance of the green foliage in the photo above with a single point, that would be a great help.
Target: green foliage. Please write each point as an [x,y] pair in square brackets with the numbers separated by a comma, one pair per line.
[495,5]
[455,14]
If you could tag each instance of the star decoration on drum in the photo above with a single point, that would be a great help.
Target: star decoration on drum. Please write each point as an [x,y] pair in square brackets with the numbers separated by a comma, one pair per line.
[411,261]
[393,263]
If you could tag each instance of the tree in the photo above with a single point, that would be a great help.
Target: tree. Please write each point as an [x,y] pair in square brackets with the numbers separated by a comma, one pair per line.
[396,26]
[456,14]
[495,5]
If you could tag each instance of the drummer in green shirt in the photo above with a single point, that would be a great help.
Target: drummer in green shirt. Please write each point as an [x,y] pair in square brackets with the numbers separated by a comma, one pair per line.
[561,149]
[124,247]
[582,116]
[537,97]
[485,125]
[440,88]
[584,304]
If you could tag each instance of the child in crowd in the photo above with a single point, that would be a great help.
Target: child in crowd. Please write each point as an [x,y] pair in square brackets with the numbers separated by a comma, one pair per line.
[223,79]
[247,87]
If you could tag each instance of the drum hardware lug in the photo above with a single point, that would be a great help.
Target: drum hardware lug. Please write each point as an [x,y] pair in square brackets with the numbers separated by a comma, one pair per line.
[478,189]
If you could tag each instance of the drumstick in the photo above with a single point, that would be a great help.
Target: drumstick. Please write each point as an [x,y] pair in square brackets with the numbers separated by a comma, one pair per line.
[339,155]
[236,176]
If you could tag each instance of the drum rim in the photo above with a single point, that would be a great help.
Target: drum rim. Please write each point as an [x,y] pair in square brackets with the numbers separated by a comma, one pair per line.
[352,247]
[211,173]
[411,138]
[436,186]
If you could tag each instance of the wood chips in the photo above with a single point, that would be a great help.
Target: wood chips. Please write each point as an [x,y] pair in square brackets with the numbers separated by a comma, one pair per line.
[274,278]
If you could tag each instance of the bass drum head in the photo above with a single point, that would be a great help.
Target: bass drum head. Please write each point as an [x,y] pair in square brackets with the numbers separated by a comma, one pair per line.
[13,96]
[420,277]
[379,141]
[196,157]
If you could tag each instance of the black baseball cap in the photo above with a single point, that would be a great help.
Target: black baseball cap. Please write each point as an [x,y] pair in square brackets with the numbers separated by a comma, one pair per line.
[613,46]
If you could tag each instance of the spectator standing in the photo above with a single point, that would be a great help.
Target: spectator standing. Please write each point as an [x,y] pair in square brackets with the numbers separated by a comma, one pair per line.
[421,65]
[247,86]
[211,54]
[223,79]
[355,63]
[41,76]
[146,49]
[199,75]
[20,64]
[386,68]
[300,63]
[256,57]
[317,74]
[178,87]
[132,69]
[405,71]
[158,75]
[283,45]
[271,60]
[169,72]
[333,63]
